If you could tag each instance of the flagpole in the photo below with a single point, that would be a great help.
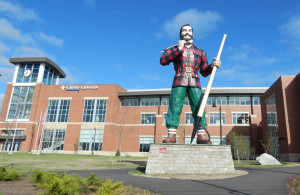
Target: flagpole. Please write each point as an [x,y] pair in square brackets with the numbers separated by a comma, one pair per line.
[37,134]
[12,143]
[42,133]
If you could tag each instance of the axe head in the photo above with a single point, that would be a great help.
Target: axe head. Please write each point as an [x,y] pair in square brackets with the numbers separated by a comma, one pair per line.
[197,125]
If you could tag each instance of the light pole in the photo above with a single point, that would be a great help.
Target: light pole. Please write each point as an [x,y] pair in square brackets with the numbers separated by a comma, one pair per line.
[220,109]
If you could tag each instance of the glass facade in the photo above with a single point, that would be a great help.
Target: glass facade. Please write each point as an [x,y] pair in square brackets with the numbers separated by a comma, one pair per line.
[145,143]
[58,111]
[94,110]
[50,76]
[21,103]
[148,119]
[219,100]
[54,139]
[216,100]
[273,126]
[32,71]
[239,100]
[240,118]
[91,139]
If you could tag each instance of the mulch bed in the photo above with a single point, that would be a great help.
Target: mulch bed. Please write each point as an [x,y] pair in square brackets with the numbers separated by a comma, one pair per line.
[293,185]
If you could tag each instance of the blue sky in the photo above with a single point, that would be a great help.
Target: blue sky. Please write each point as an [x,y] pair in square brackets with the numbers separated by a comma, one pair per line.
[118,42]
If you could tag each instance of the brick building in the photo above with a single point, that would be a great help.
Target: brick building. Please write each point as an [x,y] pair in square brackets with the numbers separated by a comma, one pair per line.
[281,116]
[39,113]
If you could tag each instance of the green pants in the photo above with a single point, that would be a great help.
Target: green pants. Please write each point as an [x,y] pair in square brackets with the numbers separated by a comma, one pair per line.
[176,102]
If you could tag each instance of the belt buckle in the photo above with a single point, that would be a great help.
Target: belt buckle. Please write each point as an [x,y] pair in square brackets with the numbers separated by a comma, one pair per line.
[188,69]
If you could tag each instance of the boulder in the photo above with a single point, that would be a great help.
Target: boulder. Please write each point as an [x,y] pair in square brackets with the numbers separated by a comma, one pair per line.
[267,159]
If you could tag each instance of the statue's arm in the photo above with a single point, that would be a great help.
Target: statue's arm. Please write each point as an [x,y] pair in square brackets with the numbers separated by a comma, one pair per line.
[169,55]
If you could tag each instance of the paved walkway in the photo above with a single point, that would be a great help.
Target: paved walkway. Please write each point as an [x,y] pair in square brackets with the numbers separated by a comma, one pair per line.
[258,181]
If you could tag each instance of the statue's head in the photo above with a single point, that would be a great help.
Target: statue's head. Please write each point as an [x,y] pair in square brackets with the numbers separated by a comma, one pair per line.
[186,33]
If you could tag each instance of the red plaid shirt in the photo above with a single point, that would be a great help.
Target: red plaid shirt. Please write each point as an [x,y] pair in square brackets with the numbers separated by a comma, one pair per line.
[187,68]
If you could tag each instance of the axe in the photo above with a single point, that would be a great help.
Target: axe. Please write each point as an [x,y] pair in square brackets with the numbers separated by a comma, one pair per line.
[198,121]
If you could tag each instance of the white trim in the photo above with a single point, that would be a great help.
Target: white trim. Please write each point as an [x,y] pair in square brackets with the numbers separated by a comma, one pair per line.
[24,84]
[96,98]
[59,98]
[148,113]
[16,73]
[41,73]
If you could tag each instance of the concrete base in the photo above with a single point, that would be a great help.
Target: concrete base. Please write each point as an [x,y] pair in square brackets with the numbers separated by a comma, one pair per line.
[189,159]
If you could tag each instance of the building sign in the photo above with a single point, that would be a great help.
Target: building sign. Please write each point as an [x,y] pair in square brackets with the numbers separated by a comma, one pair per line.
[78,88]
[162,150]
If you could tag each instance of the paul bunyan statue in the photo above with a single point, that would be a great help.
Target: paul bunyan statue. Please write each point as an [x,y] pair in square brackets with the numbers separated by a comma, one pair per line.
[188,60]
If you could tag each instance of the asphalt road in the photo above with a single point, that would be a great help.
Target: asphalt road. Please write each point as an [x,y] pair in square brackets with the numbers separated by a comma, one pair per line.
[258,181]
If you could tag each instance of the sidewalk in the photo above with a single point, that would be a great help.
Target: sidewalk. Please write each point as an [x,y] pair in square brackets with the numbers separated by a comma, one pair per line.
[258,181]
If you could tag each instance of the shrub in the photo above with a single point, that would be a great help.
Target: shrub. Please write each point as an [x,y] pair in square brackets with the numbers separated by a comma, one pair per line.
[64,184]
[118,153]
[7,175]
[108,187]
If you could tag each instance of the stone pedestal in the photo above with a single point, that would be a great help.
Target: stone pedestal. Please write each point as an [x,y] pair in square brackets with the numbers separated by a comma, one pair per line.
[189,159]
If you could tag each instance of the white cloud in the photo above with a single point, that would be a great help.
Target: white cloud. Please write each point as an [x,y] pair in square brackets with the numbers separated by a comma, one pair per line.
[4,60]
[291,34]
[7,73]
[203,22]
[70,78]
[292,28]
[17,11]
[25,51]
[250,55]
[9,31]
[49,39]
[3,47]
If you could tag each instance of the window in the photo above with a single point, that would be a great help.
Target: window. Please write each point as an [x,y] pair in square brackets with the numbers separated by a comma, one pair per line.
[31,78]
[239,100]
[11,145]
[216,100]
[256,100]
[186,101]
[149,101]
[145,143]
[165,101]
[94,110]
[189,118]
[91,139]
[50,76]
[21,103]
[54,139]
[148,119]
[12,132]
[58,111]
[130,102]
[214,118]
[165,118]
[217,141]
[240,118]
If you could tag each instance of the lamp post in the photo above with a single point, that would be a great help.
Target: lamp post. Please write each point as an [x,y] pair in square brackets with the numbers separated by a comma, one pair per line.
[220,109]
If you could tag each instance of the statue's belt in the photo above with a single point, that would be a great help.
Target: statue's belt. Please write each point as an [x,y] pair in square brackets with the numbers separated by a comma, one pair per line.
[187,69]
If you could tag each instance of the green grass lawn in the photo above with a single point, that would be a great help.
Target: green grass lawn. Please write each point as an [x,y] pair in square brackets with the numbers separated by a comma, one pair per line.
[26,162]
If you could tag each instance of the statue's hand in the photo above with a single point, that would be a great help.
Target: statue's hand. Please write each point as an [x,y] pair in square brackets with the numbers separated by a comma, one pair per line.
[181,44]
[216,62]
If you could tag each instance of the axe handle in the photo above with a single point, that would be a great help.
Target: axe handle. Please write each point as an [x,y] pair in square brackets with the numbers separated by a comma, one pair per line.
[213,72]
